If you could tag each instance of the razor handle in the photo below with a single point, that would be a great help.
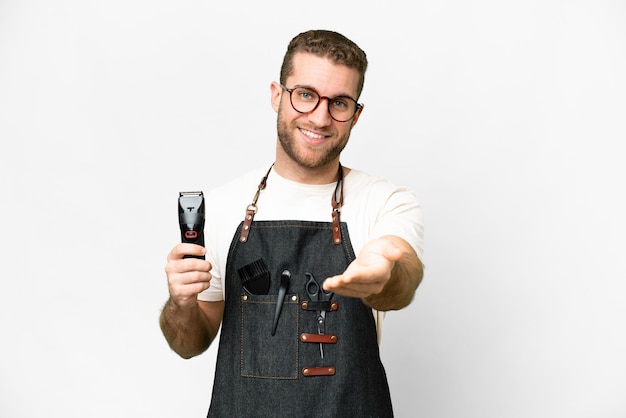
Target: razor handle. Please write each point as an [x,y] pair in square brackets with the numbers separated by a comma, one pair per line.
[191,219]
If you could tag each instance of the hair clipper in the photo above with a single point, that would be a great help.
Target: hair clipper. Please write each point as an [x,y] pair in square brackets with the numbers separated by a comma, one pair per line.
[191,218]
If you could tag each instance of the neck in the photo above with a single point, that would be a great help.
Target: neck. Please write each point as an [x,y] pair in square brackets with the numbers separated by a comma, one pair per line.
[293,171]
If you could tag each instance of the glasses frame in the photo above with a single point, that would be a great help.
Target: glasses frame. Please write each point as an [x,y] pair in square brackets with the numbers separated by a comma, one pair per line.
[319,100]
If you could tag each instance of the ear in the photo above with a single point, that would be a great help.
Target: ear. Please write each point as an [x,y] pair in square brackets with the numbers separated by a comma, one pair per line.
[276,95]
[357,115]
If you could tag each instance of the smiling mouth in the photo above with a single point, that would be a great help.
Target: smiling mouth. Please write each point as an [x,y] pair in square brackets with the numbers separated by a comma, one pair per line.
[312,135]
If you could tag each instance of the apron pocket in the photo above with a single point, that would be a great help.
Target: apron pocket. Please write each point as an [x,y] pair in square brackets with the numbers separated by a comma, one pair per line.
[264,355]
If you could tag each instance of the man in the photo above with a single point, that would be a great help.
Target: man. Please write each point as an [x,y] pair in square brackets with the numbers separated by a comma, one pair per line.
[298,311]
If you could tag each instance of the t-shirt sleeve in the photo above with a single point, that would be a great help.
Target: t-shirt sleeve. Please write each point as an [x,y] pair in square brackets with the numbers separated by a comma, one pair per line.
[402,216]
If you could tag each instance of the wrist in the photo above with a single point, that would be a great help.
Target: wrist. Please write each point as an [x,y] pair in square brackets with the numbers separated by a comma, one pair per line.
[178,307]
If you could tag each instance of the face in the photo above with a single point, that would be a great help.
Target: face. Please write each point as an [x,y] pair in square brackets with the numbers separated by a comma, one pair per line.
[314,140]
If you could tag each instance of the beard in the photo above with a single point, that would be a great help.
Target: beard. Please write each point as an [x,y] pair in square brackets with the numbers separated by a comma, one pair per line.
[308,158]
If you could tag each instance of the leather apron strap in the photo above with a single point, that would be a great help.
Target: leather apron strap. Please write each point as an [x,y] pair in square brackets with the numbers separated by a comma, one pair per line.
[336,202]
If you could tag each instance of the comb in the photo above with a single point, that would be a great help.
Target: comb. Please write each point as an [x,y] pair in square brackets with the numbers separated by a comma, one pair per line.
[255,277]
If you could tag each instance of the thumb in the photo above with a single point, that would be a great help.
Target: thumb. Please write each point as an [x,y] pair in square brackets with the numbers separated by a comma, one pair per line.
[392,253]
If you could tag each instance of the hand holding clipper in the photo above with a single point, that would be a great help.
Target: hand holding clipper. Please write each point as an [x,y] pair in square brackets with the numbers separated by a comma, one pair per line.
[191,219]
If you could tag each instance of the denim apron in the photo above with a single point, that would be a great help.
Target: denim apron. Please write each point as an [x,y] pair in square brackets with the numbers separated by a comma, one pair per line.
[277,362]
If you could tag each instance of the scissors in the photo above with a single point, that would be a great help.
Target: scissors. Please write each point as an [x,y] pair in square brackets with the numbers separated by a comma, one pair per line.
[316,292]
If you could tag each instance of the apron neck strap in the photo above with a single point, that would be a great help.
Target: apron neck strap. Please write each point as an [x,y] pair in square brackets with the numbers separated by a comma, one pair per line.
[336,201]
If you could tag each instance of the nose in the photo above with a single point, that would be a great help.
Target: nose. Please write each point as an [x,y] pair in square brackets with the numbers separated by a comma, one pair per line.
[320,116]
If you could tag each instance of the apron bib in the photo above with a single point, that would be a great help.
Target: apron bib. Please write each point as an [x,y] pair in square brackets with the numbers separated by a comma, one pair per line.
[269,362]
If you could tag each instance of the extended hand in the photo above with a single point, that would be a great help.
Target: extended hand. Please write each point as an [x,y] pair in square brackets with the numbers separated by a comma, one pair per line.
[370,272]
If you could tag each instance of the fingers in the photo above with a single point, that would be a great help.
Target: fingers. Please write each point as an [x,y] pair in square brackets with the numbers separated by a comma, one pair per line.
[357,284]
[187,276]
[369,273]
[182,249]
[350,289]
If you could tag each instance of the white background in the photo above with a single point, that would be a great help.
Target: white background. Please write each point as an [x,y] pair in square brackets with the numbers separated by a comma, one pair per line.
[507,118]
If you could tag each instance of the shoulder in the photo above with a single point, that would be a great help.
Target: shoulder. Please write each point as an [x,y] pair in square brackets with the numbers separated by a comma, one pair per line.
[237,192]
[245,181]
[381,207]
[362,185]
[226,203]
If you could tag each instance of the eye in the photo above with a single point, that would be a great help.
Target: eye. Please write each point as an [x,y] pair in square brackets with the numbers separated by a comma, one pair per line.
[340,103]
[306,95]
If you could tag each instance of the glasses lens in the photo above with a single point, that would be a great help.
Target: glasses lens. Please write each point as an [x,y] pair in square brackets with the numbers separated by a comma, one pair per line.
[342,108]
[306,100]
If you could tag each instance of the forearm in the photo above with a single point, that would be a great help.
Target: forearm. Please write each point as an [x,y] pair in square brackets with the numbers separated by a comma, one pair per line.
[186,330]
[406,276]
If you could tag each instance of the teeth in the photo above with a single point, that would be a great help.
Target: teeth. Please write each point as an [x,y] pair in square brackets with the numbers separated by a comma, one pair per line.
[312,135]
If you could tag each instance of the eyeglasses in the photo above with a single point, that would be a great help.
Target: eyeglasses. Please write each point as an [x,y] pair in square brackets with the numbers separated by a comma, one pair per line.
[306,100]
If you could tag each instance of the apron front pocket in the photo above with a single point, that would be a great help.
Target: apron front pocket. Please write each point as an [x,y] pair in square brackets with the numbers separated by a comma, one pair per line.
[264,355]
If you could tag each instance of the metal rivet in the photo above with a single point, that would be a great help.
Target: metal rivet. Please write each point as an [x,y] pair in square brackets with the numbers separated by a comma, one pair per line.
[244,297]
[294,298]
[333,338]
[305,372]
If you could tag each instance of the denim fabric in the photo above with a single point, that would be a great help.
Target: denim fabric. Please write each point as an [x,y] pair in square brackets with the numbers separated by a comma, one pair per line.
[257,316]
[260,375]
